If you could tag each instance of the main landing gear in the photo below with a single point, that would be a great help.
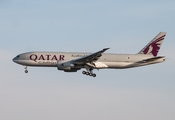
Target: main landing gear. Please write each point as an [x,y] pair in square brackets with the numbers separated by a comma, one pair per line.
[26,71]
[89,71]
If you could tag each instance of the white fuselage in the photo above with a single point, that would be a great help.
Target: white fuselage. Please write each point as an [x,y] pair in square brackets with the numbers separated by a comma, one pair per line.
[107,60]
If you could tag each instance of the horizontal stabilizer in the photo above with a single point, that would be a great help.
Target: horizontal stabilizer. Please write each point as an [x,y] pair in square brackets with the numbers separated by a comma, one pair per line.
[152,59]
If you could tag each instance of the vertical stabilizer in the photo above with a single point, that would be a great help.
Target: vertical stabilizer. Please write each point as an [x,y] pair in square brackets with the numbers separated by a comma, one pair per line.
[153,47]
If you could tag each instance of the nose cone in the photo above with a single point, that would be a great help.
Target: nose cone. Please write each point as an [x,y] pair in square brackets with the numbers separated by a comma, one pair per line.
[14,59]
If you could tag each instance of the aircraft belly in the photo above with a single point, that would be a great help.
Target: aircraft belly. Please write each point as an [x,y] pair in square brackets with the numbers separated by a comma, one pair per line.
[100,65]
[118,65]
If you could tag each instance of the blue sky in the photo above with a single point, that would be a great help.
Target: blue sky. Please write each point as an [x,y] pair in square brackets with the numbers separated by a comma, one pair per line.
[87,26]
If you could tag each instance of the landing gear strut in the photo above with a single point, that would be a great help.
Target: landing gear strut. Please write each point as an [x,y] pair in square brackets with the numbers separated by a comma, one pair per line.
[26,71]
[89,71]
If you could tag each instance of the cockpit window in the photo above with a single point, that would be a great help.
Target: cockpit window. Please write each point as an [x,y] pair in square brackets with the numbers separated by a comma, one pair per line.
[18,56]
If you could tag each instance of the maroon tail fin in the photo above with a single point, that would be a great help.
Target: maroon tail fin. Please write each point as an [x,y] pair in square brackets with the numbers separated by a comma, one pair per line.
[153,47]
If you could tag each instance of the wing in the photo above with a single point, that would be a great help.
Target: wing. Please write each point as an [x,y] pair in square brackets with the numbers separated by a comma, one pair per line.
[90,58]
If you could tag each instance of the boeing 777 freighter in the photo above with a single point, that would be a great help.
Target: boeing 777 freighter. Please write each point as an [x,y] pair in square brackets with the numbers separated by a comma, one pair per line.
[74,61]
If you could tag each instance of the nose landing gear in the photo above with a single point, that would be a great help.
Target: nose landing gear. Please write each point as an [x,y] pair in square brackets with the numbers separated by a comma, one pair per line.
[26,71]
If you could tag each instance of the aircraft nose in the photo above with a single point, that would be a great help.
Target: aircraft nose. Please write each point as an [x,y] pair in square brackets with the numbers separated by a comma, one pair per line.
[14,59]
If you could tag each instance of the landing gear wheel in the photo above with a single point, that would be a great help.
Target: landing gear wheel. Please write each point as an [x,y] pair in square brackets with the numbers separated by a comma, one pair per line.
[90,74]
[87,73]
[94,75]
[26,71]
[84,72]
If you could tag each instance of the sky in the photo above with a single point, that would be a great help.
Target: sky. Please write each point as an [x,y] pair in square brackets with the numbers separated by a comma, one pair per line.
[86,26]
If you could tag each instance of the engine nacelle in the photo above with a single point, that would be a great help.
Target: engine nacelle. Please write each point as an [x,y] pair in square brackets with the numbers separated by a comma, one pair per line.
[66,66]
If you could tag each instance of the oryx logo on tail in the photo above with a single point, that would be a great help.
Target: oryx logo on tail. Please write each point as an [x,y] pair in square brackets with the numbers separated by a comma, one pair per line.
[154,46]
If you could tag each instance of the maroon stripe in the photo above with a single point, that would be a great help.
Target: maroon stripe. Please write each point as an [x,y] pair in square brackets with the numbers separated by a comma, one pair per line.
[161,37]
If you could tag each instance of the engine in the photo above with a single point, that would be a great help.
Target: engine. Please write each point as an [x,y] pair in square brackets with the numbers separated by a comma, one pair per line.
[66,66]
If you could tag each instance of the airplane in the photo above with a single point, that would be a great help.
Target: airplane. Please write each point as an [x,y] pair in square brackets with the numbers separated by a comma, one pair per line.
[74,61]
